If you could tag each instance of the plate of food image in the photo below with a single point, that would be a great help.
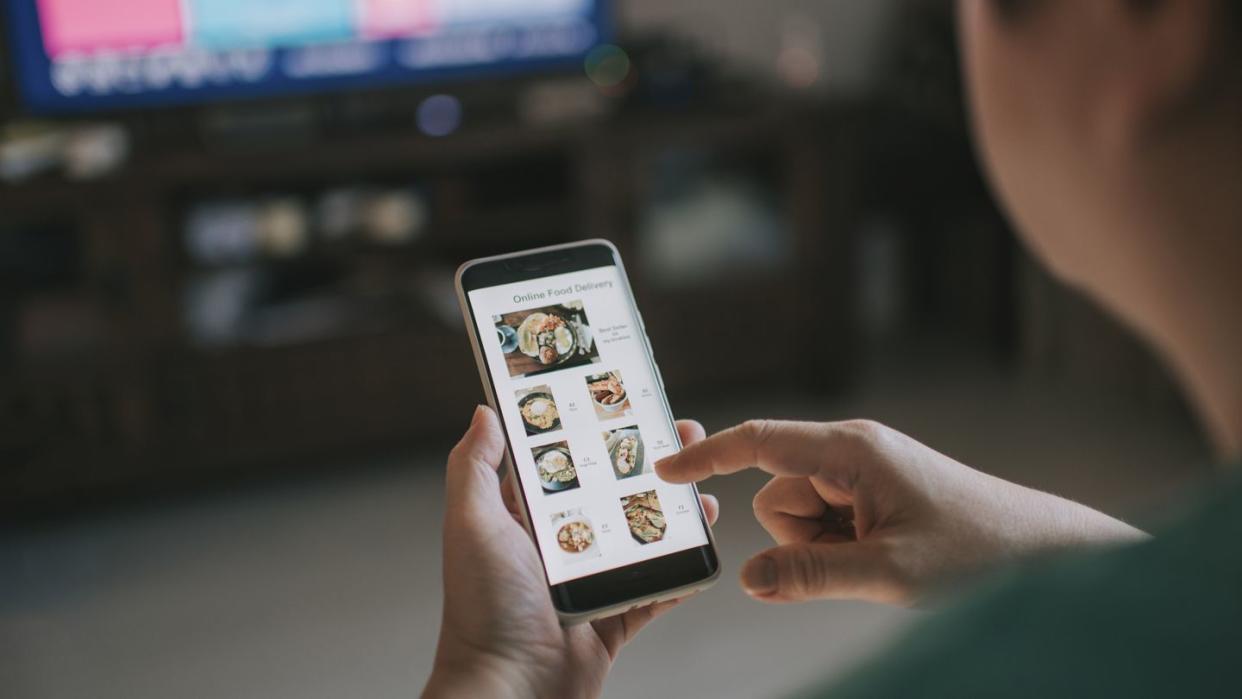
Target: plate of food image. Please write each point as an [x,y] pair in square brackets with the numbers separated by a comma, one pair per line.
[625,451]
[539,413]
[556,470]
[645,517]
[547,337]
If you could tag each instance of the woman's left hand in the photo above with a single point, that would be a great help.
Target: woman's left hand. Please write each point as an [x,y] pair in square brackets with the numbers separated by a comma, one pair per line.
[500,636]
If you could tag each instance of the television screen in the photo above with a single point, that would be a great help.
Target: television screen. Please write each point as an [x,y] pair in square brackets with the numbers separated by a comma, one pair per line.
[84,55]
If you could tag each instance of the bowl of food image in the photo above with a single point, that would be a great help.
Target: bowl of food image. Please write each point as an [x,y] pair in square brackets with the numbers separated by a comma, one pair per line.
[576,537]
[625,451]
[539,413]
[547,337]
[607,391]
[556,470]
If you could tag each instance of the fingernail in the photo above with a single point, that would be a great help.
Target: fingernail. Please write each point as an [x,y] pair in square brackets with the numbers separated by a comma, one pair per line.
[478,415]
[759,576]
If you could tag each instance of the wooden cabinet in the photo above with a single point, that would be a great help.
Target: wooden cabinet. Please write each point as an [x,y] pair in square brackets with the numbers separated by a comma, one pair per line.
[144,404]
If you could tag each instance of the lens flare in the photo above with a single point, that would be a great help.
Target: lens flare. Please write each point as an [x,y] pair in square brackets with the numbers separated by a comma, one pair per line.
[607,65]
[439,115]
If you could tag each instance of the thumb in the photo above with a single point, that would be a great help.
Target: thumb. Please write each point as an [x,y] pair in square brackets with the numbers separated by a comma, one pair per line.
[860,570]
[471,484]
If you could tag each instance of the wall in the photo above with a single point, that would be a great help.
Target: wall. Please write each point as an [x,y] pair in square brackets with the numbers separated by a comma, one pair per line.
[845,35]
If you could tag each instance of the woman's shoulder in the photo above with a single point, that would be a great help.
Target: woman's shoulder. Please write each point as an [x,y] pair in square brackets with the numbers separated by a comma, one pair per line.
[1159,618]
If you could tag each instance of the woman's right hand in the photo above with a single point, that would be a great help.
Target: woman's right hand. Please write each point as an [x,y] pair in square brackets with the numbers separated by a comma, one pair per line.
[861,511]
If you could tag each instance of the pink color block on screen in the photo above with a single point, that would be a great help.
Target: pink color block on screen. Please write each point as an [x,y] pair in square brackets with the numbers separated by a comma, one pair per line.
[381,19]
[86,26]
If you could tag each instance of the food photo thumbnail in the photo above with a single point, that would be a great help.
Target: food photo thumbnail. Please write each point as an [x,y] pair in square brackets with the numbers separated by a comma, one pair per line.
[548,338]
[645,516]
[555,466]
[575,535]
[626,452]
[538,410]
[608,395]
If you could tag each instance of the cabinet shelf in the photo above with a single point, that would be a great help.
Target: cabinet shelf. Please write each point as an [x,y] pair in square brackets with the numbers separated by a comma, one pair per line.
[155,408]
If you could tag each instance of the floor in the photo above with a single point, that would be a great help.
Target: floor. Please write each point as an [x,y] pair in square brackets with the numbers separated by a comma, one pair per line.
[330,588]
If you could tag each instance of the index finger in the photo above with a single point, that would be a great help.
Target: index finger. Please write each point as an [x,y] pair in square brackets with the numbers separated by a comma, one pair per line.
[779,447]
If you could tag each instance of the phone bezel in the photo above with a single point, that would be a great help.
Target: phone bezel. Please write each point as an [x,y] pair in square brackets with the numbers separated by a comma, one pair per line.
[614,590]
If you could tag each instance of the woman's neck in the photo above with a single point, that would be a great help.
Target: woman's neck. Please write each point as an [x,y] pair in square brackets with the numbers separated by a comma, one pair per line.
[1191,282]
[1201,334]
[1212,371]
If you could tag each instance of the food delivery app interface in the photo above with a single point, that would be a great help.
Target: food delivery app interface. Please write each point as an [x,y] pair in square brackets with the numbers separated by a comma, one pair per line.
[587,420]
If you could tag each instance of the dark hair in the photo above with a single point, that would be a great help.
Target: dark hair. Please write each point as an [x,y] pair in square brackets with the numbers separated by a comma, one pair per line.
[1015,10]
[1233,11]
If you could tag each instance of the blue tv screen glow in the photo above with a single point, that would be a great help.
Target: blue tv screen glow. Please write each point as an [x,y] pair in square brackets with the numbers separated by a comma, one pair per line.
[108,55]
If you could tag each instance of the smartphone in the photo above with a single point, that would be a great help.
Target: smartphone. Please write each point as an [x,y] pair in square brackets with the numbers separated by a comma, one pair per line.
[566,363]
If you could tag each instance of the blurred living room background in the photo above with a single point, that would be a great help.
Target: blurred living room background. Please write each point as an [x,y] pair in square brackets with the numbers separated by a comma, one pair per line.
[231,360]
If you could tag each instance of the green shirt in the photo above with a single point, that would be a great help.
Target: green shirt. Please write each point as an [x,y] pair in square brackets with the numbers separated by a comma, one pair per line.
[1157,619]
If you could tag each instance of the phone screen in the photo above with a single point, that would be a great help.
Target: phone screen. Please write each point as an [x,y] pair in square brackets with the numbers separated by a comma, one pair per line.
[586,419]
